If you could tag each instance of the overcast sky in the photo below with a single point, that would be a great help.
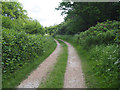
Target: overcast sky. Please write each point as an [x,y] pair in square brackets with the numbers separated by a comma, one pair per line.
[43,10]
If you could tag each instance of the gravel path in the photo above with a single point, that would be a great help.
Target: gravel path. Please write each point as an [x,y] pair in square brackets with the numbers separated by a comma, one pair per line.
[36,77]
[73,76]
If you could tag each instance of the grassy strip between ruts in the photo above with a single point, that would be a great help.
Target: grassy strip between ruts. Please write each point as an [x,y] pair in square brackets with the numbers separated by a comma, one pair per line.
[56,77]
[23,73]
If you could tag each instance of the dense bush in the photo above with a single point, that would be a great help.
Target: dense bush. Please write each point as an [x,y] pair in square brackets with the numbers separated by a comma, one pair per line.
[33,27]
[101,45]
[102,33]
[20,48]
[6,22]
[106,64]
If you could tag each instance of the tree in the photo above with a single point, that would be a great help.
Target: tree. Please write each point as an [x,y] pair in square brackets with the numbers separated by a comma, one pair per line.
[13,10]
[33,27]
[81,16]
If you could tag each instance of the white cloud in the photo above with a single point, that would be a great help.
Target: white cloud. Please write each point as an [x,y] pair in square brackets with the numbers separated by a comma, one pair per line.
[43,10]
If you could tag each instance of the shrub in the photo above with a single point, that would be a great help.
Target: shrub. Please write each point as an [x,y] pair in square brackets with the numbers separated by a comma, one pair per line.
[20,48]
[102,33]
[106,64]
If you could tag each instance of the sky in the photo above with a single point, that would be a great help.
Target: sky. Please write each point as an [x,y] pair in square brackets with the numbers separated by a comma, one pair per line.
[44,11]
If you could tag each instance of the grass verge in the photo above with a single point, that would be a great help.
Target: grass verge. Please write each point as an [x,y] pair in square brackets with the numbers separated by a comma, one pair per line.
[56,77]
[23,73]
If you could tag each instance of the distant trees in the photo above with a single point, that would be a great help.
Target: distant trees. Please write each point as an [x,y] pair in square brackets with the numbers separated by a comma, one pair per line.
[51,30]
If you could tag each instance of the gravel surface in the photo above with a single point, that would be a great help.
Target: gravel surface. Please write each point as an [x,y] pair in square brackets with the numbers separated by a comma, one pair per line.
[74,77]
[36,77]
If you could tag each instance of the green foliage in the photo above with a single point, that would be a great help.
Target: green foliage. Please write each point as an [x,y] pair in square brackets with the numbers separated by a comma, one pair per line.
[33,27]
[13,10]
[15,17]
[20,48]
[106,64]
[7,22]
[100,53]
[81,16]
[102,33]
[51,30]
[12,80]
[18,24]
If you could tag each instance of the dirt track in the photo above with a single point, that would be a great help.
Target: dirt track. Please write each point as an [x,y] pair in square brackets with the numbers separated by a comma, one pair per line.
[73,77]
[36,77]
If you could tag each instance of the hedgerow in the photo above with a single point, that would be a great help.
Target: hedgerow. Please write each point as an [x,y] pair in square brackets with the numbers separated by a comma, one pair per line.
[20,49]
[24,44]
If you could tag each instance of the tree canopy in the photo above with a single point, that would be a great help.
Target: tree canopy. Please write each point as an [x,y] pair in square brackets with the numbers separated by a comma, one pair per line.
[15,17]
[82,15]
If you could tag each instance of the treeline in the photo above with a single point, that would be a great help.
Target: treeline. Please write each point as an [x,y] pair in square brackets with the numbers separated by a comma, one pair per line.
[23,40]
[82,15]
